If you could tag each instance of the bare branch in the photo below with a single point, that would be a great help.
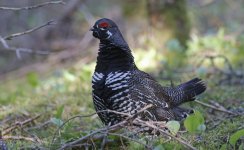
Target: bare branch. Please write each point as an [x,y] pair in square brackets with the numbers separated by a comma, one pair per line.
[17,50]
[227,75]
[4,43]
[32,7]
[26,50]
[9,37]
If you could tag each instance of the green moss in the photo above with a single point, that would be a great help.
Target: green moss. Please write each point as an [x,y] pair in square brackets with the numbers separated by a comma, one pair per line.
[72,89]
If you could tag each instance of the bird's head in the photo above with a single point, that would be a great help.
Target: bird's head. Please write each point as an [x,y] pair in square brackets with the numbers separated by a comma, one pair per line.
[108,32]
[104,29]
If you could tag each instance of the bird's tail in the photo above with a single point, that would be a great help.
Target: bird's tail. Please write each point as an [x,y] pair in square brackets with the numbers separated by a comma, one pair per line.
[187,91]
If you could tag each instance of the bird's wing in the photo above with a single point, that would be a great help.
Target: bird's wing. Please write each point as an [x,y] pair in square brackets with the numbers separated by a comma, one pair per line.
[174,96]
[165,99]
[147,90]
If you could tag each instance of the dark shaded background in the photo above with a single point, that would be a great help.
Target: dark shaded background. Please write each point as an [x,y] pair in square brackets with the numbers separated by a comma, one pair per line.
[137,19]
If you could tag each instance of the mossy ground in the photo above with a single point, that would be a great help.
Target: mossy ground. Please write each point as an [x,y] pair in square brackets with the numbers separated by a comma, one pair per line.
[67,93]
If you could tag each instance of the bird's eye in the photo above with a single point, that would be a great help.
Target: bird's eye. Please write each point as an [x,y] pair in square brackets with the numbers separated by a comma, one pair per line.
[103,25]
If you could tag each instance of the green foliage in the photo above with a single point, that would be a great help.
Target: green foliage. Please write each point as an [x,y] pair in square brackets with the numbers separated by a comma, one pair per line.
[237,135]
[159,147]
[32,79]
[223,147]
[69,132]
[216,44]
[195,123]
[174,46]
[56,121]
[136,146]
[67,92]
[174,53]
[173,126]
[241,147]
[168,145]
[148,60]
[59,112]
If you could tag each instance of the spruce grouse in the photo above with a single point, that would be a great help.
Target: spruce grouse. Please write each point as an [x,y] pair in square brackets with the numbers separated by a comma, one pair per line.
[118,85]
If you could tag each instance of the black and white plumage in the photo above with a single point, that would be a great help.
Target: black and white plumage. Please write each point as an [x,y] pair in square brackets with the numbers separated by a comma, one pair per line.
[118,85]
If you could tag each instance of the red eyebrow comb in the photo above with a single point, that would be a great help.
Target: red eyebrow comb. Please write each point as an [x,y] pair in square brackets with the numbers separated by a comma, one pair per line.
[103,25]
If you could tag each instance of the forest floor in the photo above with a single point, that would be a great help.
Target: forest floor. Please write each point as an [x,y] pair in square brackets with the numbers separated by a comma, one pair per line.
[33,109]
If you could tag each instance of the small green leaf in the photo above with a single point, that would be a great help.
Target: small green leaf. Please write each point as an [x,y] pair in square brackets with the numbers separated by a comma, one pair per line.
[69,76]
[201,128]
[159,147]
[223,147]
[195,123]
[202,71]
[173,126]
[59,112]
[56,121]
[32,79]
[174,45]
[237,135]
[241,147]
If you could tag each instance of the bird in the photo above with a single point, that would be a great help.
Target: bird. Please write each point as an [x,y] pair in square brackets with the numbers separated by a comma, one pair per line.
[118,84]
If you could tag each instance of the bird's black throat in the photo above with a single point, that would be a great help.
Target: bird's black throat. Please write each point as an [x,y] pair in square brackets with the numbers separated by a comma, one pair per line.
[113,58]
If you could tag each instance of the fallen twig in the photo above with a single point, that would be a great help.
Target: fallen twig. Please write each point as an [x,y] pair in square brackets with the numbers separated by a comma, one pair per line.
[18,124]
[222,109]
[21,138]
[60,127]
[105,129]
[131,139]
[39,126]
[32,7]
[109,129]
[180,140]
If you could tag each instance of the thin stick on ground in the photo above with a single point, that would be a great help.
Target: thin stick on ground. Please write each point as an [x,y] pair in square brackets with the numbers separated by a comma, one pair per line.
[107,129]
[165,133]
[215,108]
[21,138]
[89,115]
[10,37]
[18,124]
[32,7]
[126,137]
[60,127]
[114,127]
[122,124]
